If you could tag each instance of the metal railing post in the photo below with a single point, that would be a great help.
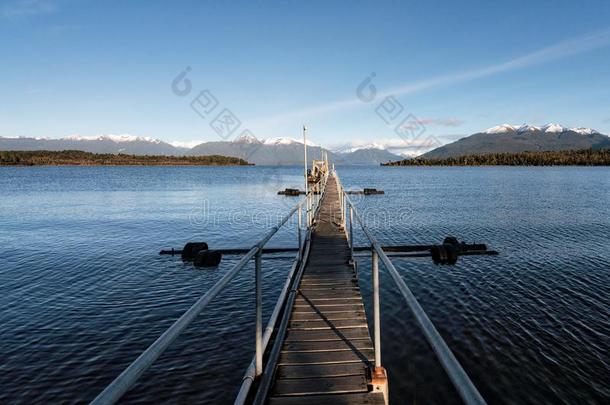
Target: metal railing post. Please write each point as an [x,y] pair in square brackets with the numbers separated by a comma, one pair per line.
[310,209]
[259,312]
[340,203]
[376,306]
[351,232]
[299,215]
[343,206]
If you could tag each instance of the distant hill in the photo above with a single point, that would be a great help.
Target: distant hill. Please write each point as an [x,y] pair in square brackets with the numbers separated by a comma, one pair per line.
[368,156]
[274,151]
[115,144]
[285,151]
[511,139]
[587,157]
[80,158]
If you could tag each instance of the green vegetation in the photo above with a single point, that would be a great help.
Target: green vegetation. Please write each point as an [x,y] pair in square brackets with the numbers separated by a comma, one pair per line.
[79,158]
[587,157]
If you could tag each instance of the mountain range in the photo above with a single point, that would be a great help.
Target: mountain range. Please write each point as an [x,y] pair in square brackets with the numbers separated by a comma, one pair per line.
[522,138]
[273,151]
[287,151]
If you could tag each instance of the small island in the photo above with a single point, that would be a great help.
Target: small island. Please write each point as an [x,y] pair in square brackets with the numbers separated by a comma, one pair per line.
[587,157]
[79,158]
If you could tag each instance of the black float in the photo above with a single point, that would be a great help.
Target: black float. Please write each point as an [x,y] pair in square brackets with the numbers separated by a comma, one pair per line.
[207,258]
[190,250]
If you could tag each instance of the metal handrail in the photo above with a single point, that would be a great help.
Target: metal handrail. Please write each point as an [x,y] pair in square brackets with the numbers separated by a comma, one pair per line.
[250,375]
[462,383]
[121,384]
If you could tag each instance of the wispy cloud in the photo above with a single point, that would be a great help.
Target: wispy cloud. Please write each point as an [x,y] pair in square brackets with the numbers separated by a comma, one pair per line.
[551,53]
[441,122]
[24,8]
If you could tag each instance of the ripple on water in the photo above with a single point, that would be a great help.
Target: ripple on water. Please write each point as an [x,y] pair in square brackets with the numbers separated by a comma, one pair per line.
[83,290]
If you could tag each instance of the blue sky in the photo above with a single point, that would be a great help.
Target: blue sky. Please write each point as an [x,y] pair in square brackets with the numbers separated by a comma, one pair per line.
[84,67]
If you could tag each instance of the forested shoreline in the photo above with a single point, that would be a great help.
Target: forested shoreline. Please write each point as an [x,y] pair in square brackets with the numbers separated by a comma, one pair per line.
[80,158]
[587,157]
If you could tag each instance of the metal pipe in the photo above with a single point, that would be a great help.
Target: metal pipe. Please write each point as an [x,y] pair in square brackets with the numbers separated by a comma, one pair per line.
[340,203]
[249,376]
[309,206]
[267,378]
[376,306]
[259,313]
[234,251]
[120,385]
[299,215]
[406,255]
[351,232]
[463,384]
[117,388]
[343,202]
[305,155]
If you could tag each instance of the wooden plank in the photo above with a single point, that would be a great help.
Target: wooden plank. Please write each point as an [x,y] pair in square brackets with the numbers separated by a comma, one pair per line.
[320,370]
[325,335]
[331,294]
[331,272]
[332,345]
[327,324]
[337,399]
[327,348]
[326,283]
[358,306]
[326,385]
[331,316]
[329,283]
[325,280]
[328,300]
[340,356]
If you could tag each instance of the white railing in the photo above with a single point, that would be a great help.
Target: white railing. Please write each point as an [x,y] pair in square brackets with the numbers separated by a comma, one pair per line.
[465,387]
[121,384]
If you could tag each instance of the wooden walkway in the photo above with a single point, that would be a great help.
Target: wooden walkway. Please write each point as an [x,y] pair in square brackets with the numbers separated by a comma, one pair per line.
[327,352]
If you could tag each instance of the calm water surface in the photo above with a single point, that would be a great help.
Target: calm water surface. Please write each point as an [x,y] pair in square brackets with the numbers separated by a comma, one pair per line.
[83,290]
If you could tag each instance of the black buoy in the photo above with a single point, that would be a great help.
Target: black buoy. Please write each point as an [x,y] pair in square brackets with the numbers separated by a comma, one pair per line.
[444,254]
[190,250]
[451,240]
[207,258]
[291,192]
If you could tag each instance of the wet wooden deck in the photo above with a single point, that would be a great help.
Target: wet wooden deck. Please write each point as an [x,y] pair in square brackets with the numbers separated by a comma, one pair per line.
[327,351]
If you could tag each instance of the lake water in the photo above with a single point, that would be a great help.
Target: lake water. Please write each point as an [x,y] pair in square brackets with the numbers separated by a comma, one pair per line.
[83,290]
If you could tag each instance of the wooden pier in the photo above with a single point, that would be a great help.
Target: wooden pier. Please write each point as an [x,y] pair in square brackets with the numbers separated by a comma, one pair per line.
[316,348]
[327,354]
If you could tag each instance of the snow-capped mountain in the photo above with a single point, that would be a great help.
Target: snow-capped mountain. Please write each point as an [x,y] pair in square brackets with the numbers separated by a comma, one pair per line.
[288,151]
[394,146]
[186,144]
[113,138]
[549,128]
[286,141]
[124,143]
[271,151]
[247,138]
[521,138]
[353,147]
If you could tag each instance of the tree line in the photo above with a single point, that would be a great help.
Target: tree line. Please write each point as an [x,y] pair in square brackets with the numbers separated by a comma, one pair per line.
[80,158]
[587,157]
